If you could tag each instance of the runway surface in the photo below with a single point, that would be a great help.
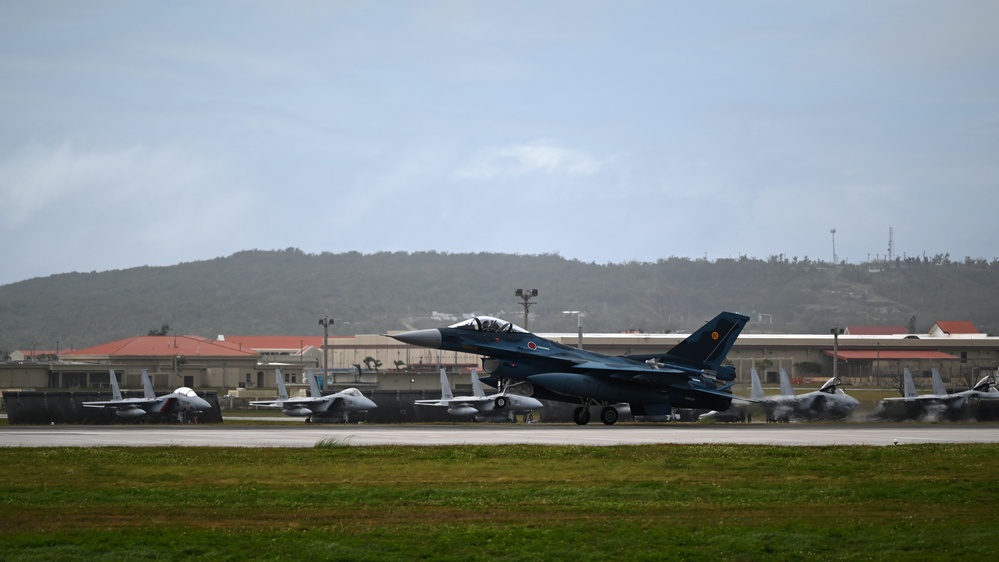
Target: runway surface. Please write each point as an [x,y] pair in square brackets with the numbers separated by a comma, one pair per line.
[540,434]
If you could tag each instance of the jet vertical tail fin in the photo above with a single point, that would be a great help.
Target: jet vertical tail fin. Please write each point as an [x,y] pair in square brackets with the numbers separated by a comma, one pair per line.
[707,347]
[446,393]
[147,386]
[785,384]
[477,384]
[115,389]
[938,386]
[279,379]
[314,391]
[757,387]
[908,385]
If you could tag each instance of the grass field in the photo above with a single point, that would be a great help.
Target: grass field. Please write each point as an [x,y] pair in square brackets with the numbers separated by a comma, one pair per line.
[517,502]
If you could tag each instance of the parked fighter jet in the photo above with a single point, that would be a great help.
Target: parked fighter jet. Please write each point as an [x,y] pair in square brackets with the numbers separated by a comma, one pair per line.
[316,405]
[182,403]
[495,407]
[829,402]
[690,375]
[938,405]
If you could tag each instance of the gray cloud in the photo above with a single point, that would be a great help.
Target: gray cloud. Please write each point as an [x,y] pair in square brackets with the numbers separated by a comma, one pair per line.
[140,133]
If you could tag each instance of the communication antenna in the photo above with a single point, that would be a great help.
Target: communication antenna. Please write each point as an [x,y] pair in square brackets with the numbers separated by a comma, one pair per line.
[833,232]
[891,243]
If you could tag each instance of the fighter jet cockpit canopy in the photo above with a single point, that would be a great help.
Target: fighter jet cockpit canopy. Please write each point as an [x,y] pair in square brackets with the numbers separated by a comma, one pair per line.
[488,324]
[184,391]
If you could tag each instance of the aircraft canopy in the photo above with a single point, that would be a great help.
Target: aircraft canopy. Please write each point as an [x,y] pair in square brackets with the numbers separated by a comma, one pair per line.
[488,324]
[184,391]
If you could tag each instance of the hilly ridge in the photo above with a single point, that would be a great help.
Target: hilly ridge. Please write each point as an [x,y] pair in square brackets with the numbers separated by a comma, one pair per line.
[285,292]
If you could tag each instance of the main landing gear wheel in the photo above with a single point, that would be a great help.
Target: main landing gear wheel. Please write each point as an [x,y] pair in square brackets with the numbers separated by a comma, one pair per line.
[500,402]
[608,415]
[581,416]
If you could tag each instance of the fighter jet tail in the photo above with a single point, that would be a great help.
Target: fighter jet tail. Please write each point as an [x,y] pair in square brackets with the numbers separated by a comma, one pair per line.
[938,386]
[757,387]
[785,384]
[707,347]
[908,385]
[446,393]
[279,379]
[115,389]
[147,386]
[477,384]
[314,391]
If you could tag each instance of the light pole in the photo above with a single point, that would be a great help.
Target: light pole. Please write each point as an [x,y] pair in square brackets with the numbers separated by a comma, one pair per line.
[579,325]
[525,295]
[877,371]
[326,322]
[836,331]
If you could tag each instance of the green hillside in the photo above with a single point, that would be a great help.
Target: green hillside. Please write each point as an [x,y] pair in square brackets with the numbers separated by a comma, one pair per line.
[286,292]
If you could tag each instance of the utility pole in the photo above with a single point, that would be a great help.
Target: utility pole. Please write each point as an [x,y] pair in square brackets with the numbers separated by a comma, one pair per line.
[326,322]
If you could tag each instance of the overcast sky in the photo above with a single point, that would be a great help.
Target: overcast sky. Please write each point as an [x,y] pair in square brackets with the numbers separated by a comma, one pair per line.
[153,133]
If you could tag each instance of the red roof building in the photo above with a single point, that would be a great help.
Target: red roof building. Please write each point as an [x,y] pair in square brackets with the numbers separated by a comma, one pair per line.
[876,330]
[948,328]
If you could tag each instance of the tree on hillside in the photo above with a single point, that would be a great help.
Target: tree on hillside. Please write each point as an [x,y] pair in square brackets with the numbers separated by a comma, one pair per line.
[164,330]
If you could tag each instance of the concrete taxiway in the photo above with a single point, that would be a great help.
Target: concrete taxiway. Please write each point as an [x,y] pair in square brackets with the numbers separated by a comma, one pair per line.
[539,434]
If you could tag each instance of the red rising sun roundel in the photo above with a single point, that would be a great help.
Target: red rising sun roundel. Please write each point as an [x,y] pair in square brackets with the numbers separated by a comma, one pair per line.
[532,346]
[714,335]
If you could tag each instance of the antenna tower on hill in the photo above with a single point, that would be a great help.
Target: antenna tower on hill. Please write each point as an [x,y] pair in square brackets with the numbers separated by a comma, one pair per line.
[891,243]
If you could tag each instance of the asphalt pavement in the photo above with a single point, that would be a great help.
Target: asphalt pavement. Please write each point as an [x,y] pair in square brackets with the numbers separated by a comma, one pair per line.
[301,435]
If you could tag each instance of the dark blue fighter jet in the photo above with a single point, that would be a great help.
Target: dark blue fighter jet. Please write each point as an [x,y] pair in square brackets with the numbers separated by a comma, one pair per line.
[690,375]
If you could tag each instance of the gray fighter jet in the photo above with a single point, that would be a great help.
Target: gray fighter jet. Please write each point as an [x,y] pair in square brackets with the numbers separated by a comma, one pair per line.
[939,405]
[317,407]
[183,404]
[498,407]
[829,402]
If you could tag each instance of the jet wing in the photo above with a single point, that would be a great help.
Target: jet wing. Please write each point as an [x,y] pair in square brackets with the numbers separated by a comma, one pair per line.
[267,403]
[460,401]
[127,403]
[715,392]
[633,372]
[306,402]
[666,371]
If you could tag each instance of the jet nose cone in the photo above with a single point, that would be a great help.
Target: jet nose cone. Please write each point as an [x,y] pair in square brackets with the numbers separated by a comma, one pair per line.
[201,404]
[423,338]
[369,404]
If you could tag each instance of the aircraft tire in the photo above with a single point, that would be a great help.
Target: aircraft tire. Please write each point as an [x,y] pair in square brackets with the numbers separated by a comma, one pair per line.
[581,416]
[608,415]
[500,402]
